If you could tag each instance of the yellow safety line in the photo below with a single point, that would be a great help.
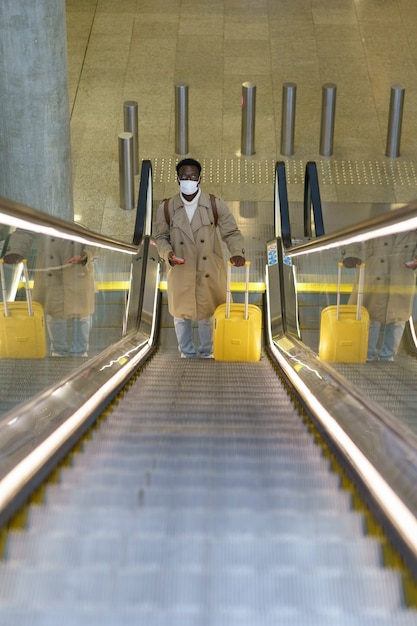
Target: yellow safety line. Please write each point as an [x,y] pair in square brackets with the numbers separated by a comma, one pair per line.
[332,288]
[236,287]
[255,287]
[322,288]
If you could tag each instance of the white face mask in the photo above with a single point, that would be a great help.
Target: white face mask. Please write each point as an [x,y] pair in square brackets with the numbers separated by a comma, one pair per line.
[188,187]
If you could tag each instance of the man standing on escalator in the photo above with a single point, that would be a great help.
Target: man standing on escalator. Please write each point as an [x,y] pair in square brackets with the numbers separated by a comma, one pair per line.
[187,240]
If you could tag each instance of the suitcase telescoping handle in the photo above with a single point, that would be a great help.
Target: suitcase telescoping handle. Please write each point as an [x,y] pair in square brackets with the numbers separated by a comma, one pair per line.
[360,290]
[4,289]
[228,293]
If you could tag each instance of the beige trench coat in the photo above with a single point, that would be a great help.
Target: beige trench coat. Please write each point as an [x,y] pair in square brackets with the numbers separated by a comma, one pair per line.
[389,286]
[198,286]
[66,292]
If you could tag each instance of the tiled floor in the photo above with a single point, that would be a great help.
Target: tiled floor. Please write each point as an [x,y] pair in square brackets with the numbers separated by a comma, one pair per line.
[139,49]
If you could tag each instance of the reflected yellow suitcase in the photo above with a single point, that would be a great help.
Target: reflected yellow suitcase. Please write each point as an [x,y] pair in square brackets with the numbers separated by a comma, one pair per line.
[344,329]
[237,327]
[22,325]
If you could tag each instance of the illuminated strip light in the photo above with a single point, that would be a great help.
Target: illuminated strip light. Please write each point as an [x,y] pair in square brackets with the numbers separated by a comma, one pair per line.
[50,231]
[395,509]
[407,225]
[13,482]
[155,304]
[412,330]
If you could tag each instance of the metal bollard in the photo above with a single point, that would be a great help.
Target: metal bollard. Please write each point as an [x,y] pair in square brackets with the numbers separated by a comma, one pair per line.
[126,173]
[130,118]
[248,118]
[395,121]
[289,92]
[327,119]
[181,119]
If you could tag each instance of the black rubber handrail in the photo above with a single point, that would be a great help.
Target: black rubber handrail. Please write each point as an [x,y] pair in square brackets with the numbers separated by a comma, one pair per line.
[144,206]
[312,202]
[281,209]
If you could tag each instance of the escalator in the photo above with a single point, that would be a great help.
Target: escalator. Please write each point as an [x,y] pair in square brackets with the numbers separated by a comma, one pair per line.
[198,499]
[202,493]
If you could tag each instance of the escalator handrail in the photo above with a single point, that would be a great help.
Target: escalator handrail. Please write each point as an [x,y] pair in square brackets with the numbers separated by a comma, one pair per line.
[143,223]
[281,209]
[27,218]
[312,201]
[401,220]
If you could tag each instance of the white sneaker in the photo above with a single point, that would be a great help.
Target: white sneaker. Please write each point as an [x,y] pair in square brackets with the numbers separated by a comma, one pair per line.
[207,356]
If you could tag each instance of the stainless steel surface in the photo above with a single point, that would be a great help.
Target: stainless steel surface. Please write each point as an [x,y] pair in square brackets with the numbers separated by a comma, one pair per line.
[131,125]
[247,142]
[289,94]
[126,171]
[181,118]
[395,120]
[328,112]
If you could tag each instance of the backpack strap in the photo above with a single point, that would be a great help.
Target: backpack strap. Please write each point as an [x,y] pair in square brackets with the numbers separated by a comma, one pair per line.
[166,212]
[213,208]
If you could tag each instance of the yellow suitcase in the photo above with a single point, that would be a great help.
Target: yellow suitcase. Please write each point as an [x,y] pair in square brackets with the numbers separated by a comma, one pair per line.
[237,327]
[344,329]
[22,325]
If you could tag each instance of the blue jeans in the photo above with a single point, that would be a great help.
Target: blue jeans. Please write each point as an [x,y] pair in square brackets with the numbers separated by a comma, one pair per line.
[183,330]
[58,334]
[391,340]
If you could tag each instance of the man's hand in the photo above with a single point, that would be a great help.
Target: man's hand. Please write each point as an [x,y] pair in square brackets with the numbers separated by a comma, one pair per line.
[81,260]
[238,261]
[174,260]
[13,259]
[351,261]
[412,265]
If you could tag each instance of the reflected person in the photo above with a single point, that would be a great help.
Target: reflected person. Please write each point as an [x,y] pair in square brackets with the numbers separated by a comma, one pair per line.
[64,285]
[389,288]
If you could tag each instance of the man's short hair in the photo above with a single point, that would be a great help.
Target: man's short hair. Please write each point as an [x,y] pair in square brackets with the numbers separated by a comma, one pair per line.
[192,162]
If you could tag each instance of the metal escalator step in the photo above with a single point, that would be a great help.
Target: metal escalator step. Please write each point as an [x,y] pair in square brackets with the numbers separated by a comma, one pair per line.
[151,549]
[68,549]
[219,523]
[109,470]
[204,480]
[222,588]
[192,616]
[244,551]
[302,498]
[268,500]
[323,524]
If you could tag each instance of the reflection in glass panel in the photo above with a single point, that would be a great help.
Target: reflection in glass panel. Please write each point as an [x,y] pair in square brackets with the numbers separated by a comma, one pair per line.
[388,289]
[377,354]
[80,291]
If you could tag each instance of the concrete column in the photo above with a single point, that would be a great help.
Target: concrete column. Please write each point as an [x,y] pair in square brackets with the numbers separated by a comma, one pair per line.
[35,148]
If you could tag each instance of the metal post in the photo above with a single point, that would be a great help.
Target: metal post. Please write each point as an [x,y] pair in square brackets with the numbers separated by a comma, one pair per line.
[327,119]
[248,118]
[181,119]
[126,173]
[130,118]
[395,121]
[289,92]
